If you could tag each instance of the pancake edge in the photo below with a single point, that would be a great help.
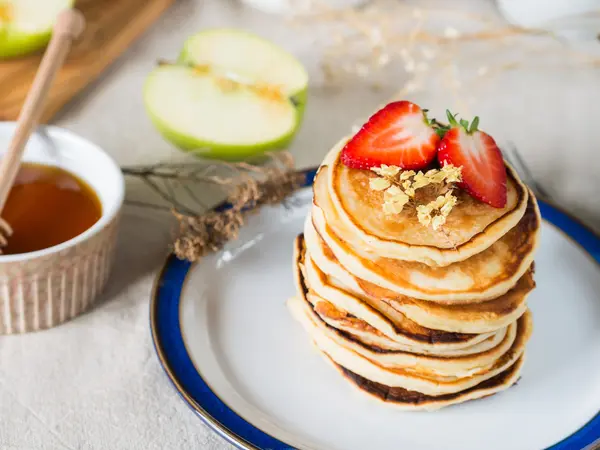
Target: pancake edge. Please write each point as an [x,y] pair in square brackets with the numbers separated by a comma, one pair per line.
[429,255]
[432,405]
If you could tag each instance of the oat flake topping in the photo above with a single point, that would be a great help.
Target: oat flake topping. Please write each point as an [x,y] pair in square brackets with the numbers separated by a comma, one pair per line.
[399,187]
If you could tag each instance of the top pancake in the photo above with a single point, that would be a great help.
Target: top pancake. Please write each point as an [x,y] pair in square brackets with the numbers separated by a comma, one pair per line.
[471,227]
[486,275]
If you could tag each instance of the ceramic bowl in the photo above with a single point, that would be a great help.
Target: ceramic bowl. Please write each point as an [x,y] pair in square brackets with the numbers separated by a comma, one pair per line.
[45,288]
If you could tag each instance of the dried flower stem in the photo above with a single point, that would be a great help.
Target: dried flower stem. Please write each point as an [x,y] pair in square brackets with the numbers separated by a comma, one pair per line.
[247,187]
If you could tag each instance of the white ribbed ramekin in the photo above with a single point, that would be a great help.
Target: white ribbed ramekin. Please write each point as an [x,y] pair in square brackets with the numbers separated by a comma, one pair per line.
[45,288]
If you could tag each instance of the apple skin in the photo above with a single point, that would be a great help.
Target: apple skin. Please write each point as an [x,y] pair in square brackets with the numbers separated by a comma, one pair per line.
[14,44]
[232,153]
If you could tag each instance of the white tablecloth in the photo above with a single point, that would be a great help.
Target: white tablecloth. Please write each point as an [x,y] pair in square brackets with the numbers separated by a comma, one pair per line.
[95,383]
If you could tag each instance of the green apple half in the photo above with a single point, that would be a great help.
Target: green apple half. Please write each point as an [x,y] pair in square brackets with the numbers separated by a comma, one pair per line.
[231,95]
[26,25]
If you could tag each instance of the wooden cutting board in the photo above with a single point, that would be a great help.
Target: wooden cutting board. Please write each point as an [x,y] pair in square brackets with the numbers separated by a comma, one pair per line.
[112,26]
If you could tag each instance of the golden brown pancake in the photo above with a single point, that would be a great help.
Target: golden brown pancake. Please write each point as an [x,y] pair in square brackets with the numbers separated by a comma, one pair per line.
[372,337]
[411,400]
[484,276]
[462,318]
[398,323]
[470,228]
[414,378]
[426,365]
[349,313]
[415,317]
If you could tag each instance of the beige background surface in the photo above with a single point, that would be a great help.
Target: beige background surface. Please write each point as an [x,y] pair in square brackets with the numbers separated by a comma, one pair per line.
[95,383]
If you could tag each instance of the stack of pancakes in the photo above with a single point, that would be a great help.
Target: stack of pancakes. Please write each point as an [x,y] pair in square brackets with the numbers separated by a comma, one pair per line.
[417,318]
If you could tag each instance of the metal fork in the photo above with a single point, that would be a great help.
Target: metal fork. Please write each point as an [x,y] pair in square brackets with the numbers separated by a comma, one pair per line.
[511,154]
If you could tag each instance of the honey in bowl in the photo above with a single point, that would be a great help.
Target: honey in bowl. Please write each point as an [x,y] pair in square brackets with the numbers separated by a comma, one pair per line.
[48,206]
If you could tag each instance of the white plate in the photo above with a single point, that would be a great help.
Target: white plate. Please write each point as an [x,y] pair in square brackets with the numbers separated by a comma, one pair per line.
[248,369]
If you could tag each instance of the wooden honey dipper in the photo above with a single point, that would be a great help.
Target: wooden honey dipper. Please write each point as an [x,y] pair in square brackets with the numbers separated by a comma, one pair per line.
[68,27]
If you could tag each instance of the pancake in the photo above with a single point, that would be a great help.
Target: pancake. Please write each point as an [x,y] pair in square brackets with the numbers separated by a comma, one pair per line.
[387,320]
[423,382]
[416,318]
[472,227]
[362,332]
[406,400]
[463,318]
[462,366]
[480,318]
[484,276]
[348,313]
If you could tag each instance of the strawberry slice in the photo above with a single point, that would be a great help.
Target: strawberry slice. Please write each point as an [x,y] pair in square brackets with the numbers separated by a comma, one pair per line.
[483,170]
[399,134]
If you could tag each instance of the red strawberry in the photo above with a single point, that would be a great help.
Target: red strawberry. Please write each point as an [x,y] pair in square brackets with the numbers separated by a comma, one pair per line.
[483,170]
[399,134]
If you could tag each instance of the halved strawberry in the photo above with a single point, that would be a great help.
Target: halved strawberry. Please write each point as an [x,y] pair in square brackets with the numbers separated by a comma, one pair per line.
[483,170]
[399,134]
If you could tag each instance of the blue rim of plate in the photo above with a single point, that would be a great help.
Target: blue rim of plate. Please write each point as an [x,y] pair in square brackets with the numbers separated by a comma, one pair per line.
[177,364]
